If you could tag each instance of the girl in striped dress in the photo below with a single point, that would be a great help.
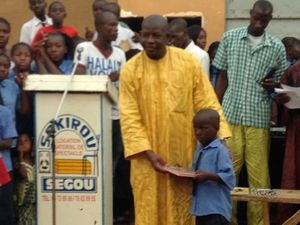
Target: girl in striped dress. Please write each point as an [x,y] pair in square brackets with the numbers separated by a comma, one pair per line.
[26,182]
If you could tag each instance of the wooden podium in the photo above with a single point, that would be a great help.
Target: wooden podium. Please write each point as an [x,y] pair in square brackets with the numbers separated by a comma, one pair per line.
[83,155]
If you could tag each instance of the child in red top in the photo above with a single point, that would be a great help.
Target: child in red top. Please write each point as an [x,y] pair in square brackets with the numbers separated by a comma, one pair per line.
[6,196]
[58,13]
[4,175]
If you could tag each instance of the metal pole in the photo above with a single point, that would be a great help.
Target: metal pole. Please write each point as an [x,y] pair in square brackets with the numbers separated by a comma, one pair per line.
[53,134]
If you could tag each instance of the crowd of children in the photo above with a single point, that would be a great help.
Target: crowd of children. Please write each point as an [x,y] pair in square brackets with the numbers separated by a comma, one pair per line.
[48,46]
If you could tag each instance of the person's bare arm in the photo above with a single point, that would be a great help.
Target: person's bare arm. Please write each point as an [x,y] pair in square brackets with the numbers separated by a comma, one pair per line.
[25,106]
[114,76]
[282,98]
[50,68]
[88,34]
[22,170]
[80,70]
[157,162]
[222,84]
[269,84]
[5,144]
[41,69]
[202,176]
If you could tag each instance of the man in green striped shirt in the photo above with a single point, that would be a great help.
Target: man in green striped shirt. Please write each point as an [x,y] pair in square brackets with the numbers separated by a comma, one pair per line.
[245,56]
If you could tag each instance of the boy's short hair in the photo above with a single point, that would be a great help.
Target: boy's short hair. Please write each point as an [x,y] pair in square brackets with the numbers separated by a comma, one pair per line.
[30,1]
[213,46]
[194,31]
[178,23]
[100,17]
[264,5]
[112,7]
[53,3]
[211,116]
[5,21]
[289,42]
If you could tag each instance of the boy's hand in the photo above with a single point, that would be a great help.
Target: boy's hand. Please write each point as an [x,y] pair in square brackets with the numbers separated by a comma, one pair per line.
[45,37]
[136,37]
[114,76]
[21,152]
[20,79]
[88,34]
[41,53]
[200,176]
[37,45]
[157,162]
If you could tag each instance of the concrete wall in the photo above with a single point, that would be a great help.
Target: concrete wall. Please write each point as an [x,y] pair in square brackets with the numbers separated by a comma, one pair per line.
[286,16]
[285,23]
[213,11]
[80,13]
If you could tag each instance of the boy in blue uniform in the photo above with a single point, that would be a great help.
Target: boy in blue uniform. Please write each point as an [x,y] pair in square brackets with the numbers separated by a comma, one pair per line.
[211,200]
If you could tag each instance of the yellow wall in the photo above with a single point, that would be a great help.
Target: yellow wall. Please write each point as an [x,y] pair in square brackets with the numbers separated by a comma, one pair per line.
[17,12]
[80,13]
[213,11]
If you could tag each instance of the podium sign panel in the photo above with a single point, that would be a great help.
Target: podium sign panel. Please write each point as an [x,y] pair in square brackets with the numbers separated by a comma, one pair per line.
[83,153]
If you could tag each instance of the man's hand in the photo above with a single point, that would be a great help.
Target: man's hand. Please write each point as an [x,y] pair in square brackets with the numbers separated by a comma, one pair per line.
[269,84]
[282,98]
[157,162]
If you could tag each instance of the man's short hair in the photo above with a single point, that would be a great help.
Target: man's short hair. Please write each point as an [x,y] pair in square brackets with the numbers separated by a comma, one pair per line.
[264,5]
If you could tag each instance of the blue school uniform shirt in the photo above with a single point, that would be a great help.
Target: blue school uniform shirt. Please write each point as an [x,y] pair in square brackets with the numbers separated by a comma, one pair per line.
[7,131]
[23,123]
[210,197]
[10,93]
[66,66]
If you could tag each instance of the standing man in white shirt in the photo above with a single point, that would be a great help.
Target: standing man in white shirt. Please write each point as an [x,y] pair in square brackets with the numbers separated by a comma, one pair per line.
[40,19]
[100,58]
[178,37]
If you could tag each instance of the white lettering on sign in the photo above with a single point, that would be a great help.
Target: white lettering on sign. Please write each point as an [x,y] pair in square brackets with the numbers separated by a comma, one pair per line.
[69,184]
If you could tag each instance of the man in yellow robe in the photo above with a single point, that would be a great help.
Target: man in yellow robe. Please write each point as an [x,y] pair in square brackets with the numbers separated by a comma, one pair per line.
[160,90]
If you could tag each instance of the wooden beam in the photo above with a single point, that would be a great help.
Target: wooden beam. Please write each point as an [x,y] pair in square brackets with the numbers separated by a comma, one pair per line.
[266,213]
[294,220]
[265,196]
